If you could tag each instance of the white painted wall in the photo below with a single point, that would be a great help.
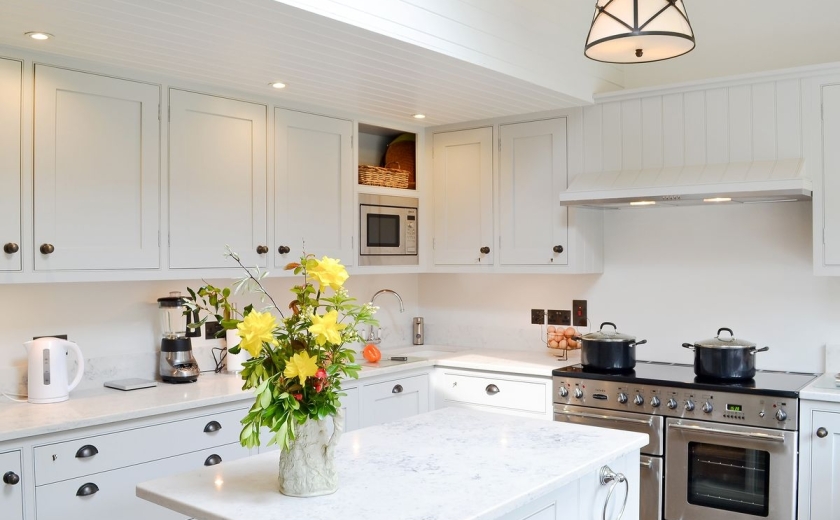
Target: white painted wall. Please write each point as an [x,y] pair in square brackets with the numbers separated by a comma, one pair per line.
[116,323]
[671,275]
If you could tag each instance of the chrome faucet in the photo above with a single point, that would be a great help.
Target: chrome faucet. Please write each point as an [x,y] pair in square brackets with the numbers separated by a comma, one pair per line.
[373,335]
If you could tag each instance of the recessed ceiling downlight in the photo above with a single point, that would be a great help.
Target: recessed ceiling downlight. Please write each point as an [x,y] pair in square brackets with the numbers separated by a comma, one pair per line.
[277,84]
[38,35]
[419,116]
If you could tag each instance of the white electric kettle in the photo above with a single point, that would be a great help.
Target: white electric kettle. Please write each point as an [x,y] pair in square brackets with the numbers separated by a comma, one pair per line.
[48,369]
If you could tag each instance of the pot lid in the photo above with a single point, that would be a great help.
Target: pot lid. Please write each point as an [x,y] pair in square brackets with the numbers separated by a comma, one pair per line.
[608,335]
[725,341]
[173,300]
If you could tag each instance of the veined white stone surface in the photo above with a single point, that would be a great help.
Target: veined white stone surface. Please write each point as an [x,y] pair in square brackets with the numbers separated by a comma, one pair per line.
[823,388]
[450,464]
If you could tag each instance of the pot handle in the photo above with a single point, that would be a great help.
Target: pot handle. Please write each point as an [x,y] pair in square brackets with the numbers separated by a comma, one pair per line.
[610,324]
[731,334]
[762,349]
[689,346]
[639,343]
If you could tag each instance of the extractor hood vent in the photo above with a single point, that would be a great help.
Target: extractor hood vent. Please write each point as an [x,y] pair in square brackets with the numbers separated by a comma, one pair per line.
[758,181]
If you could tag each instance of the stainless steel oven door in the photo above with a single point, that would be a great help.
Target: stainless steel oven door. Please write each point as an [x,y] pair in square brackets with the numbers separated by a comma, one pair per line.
[729,472]
[631,422]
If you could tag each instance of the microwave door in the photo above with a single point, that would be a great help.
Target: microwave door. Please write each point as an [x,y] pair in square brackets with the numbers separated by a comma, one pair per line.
[381,230]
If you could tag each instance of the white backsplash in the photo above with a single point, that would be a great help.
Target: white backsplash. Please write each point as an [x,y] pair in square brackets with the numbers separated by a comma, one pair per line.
[832,359]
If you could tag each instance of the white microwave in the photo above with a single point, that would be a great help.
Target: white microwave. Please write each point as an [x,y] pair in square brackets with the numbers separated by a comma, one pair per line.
[388,230]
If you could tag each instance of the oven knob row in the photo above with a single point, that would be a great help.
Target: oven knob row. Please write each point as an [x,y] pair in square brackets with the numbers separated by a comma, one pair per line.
[672,403]
[707,407]
[622,397]
[689,406]
[578,393]
[563,392]
[655,402]
[639,400]
[781,415]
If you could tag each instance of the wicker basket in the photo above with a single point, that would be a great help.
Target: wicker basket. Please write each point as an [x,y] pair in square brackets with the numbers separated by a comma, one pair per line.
[403,152]
[379,176]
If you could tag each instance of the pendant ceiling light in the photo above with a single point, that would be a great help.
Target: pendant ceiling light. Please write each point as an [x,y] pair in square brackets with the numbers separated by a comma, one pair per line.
[639,31]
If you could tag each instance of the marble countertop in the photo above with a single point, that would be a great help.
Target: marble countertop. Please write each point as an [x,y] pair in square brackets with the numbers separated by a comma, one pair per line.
[824,388]
[105,405]
[449,464]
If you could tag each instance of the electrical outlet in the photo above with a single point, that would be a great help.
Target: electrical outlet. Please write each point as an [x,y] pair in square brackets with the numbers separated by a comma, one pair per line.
[537,316]
[555,317]
[579,313]
[211,328]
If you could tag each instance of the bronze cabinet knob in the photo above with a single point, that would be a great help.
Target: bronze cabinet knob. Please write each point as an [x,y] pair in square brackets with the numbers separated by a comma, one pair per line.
[485,250]
[262,250]
[557,249]
[47,249]
[11,248]
[284,250]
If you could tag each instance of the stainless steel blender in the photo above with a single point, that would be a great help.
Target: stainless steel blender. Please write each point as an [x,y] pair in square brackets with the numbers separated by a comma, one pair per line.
[177,364]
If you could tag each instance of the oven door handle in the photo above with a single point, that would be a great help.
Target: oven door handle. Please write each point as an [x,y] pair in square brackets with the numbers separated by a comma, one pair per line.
[755,436]
[649,422]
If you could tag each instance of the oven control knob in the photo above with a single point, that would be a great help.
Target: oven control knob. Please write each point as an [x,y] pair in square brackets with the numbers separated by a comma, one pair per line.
[781,415]
[639,400]
[563,392]
[707,407]
[689,406]
[622,397]
[672,403]
[578,393]
[655,402]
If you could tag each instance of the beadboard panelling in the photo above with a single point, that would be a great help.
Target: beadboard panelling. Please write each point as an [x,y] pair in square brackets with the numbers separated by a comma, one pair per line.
[721,125]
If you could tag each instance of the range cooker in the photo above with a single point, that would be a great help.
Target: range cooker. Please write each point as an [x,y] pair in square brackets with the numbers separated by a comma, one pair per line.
[722,450]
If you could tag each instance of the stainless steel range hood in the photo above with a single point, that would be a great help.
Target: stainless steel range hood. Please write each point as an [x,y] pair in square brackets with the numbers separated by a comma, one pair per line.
[732,183]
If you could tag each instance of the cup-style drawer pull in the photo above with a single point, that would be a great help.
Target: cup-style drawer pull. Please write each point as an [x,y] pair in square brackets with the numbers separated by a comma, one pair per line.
[87,489]
[397,389]
[261,250]
[492,389]
[212,426]
[11,248]
[822,433]
[86,451]
[212,460]
[11,478]
[47,249]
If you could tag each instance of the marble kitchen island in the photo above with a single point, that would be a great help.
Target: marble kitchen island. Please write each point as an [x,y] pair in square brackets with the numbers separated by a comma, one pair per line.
[449,464]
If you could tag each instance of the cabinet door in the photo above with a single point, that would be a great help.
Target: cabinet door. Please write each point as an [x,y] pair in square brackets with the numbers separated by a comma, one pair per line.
[825,459]
[217,181]
[533,172]
[831,173]
[464,197]
[313,192]
[10,103]
[11,486]
[396,399]
[96,171]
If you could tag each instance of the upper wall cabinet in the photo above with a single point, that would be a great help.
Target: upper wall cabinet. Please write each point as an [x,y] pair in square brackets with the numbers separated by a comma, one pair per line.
[96,172]
[822,149]
[463,187]
[313,190]
[217,181]
[532,173]
[10,104]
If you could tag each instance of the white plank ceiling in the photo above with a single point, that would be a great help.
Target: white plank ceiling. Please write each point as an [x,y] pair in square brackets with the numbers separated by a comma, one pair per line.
[243,45]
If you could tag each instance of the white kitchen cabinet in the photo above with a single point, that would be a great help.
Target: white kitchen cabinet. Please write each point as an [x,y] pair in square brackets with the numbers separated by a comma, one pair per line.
[532,174]
[10,113]
[394,399]
[11,486]
[819,460]
[822,125]
[495,392]
[96,172]
[463,190]
[313,189]
[217,181]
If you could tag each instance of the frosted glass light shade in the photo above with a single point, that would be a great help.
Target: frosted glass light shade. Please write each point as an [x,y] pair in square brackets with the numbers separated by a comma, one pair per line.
[639,31]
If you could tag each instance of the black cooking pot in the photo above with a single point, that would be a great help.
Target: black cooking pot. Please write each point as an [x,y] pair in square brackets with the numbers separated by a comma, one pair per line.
[727,358]
[608,351]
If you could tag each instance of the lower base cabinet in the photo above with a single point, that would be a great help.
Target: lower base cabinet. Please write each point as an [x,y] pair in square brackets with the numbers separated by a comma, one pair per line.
[819,460]
[11,486]
[511,394]
[394,399]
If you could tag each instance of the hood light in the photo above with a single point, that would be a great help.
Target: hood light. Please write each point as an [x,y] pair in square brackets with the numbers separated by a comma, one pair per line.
[419,116]
[278,84]
[643,203]
[39,35]
[718,199]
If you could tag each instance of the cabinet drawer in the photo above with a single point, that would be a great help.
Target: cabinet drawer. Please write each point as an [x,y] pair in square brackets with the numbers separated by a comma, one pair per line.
[394,399]
[84,456]
[499,392]
[111,494]
[11,492]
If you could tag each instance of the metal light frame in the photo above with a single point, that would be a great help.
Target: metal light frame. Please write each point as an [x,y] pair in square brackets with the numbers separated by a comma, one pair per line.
[638,30]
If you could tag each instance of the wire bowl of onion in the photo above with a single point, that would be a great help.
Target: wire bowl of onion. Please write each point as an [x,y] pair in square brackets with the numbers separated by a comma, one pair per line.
[559,338]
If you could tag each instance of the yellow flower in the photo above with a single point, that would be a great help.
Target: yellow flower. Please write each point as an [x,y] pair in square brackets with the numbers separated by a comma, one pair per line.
[256,328]
[300,366]
[329,272]
[326,328]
